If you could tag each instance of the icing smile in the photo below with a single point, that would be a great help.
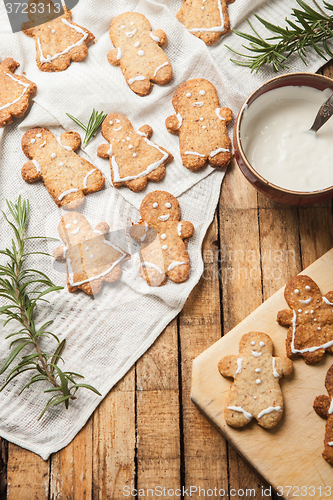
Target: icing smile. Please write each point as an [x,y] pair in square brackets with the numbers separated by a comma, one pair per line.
[256,354]
[164,218]
[198,104]
[306,302]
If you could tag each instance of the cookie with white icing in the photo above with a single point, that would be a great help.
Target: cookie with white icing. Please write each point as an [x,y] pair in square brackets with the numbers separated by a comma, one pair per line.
[138,52]
[16,91]
[201,125]
[163,237]
[134,159]
[323,406]
[255,392]
[310,320]
[67,176]
[90,258]
[206,19]
[58,41]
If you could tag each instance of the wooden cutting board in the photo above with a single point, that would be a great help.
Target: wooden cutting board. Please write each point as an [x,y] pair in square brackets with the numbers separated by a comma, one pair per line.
[288,456]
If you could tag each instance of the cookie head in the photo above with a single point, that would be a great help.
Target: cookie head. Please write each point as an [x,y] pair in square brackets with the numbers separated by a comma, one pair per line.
[159,207]
[127,27]
[74,228]
[255,344]
[195,94]
[35,139]
[302,292]
[116,127]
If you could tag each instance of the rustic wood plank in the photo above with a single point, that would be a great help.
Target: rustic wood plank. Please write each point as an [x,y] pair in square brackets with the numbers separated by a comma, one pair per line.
[27,475]
[205,451]
[71,468]
[3,467]
[316,231]
[157,407]
[241,286]
[114,442]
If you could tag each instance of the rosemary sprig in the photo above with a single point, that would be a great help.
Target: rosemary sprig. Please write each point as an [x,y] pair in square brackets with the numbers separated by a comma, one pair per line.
[23,288]
[311,28]
[95,121]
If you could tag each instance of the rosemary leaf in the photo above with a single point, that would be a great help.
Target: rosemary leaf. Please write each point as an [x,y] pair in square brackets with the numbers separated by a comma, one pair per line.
[311,28]
[94,122]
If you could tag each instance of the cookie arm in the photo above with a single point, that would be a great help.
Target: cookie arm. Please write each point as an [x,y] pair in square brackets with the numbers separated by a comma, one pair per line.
[285,317]
[187,229]
[59,254]
[71,140]
[226,115]
[103,151]
[321,406]
[283,366]
[172,124]
[30,173]
[159,37]
[102,227]
[113,58]
[9,64]
[227,366]
[147,130]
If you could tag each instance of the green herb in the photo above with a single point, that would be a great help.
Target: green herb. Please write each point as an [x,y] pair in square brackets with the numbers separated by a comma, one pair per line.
[94,123]
[24,288]
[311,28]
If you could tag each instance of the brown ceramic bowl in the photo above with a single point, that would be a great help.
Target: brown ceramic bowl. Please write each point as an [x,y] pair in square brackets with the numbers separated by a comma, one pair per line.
[260,183]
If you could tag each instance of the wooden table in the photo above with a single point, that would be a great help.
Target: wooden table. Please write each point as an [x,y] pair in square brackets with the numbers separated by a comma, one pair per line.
[147,433]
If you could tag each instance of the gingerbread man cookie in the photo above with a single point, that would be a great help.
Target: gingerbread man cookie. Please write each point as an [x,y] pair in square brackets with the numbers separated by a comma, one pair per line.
[163,238]
[138,53]
[201,125]
[67,176]
[323,406]
[90,258]
[58,41]
[134,159]
[255,392]
[310,320]
[15,92]
[206,19]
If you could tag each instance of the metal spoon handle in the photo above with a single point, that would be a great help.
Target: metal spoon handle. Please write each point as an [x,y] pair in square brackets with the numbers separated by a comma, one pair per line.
[324,113]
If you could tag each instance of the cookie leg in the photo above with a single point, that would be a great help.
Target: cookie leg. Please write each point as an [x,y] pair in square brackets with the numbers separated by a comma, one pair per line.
[141,87]
[163,75]
[312,358]
[135,185]
[153,276]
[221,159]
[193,162]
[113,275]
[328,451]
[157,174]
[180,273]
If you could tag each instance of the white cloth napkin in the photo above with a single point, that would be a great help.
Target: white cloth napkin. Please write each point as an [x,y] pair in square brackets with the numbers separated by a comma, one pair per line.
[107,334]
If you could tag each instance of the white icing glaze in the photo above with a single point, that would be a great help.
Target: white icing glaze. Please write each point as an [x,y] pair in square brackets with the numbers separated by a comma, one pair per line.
[119,54]
[306,302]
[38,135]
[262,344]
[202,92]
[198,104]
[150,168]
[174,264]
[154,37]
[306,349]
[117,129]
[270,409]
[75,221]
[141,133]
[64,252]
[307,288]
[130,146]
[137,44]
[141,52]
[330,410]
[25,85]
[330,443]
[136,79]
[257,370]
[246,414]
[327,301]
[188,94]
[296,291]
[42,145]
[91,255]
[275,372]
[164,247]
[194,153]
[217,151]
[152,265]
[67,226]
[217,29]
[179,229]
[117,120]
[204,127]
[68,148]
[256,354]
[160,67]
[92,278]
[76,231]
[37,165]
[239,365]
[134,155]
[163,236]
[61,164]
[33,141]
[97,232]
[218,114]
[86,177]
[299,310]
[146,229]
[129,34]
[168,205]
[73,190]
[163,218]
[155,205]
[253,342]
[258,381]
[109,153]
[76,44]
[53,155]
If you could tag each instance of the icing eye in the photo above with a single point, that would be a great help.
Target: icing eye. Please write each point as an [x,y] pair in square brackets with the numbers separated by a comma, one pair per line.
[137,44]
[253,342]
[307,287]
[75,221]
[188,94]
[296,291]
[117,121]
[53,155]
[132,23]
[202,92]
[202,119]
[262,344]
[155,205]
[67,226]
[141,53]
[111,122]
[168,205]
[38,135]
